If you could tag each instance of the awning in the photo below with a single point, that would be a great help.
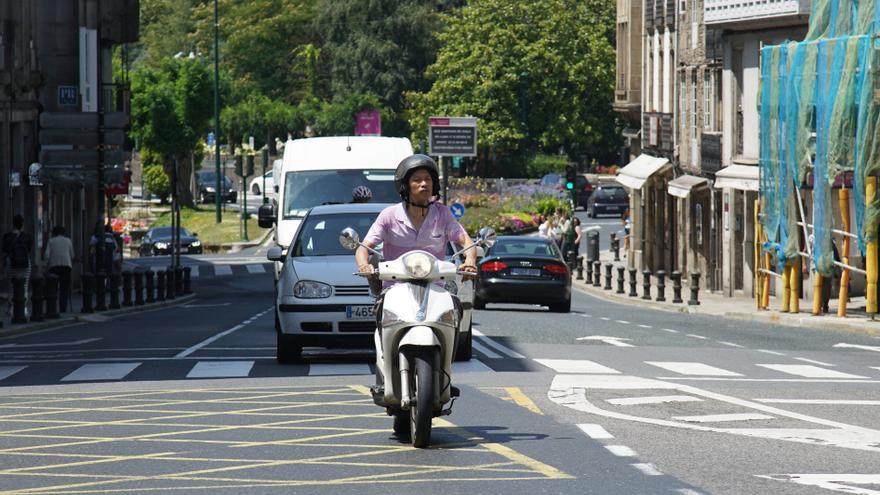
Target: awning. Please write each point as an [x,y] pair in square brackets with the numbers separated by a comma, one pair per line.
[682,186]
[631,132]
[640,170]
[742,177]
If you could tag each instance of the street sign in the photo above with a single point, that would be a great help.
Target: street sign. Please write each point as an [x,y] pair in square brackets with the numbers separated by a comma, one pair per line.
[85,158]
[68,96]
[210,139]
[369,123]
[452,136]
[69,174]
[457,210]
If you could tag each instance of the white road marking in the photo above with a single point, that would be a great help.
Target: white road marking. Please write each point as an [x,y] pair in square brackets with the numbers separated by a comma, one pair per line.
[633,401]
[835,482]
[608,382]
[485,350]
[855,346]
[615,341]
[221,270]
[622,322]
[721,418]
[491,342]
[670,330]
[605,318]
[621,451]
[821,402]
[51,344]
[585,315]
[875,368]
[217,305]
[255,269]
[695,336]
[764,380]
[219,336]
[596,432]
[576,366]
[647,469]
[692,368]
[221,369]
[645,326]
[774,353]
[687,491]
[7,371]
[100,371]
[731,344]
[820,363]
[323,369]
[472,366]
[808,371]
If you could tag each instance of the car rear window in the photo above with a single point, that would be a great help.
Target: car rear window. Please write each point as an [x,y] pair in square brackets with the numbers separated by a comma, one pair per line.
[523,248]
[319,235]
[613,193]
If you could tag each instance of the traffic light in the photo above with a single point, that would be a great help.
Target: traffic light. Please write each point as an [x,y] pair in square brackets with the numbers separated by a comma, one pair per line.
[239,166]
[570,177]
[249,170]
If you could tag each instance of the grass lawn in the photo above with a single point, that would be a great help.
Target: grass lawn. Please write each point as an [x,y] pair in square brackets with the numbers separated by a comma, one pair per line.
[203,221]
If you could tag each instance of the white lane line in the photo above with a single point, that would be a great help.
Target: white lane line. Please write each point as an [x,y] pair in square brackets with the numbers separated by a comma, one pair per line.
[731,344]
[843,345]
[773,353]
[647,469]
[875,368]
[255,269]
[502,349]
[585,315]
[50,344]
[808,371]
[720,418]
[472,366]
[694,336]
[604,318]
[324,369]
[621,450]
[221,369]
[692,369]
[820,363]
[761,380]
[645,326]
[577,366]
[670,330]
[838,482]
[622,322]
[687,491]
[221,270]
[633,401]
[219,336]
[821,402]
[594,431]
[485,350]
[7,371]
[101,371]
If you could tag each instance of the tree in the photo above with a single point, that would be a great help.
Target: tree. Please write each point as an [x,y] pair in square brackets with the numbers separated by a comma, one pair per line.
[165,26]
[157,182]
[539,75]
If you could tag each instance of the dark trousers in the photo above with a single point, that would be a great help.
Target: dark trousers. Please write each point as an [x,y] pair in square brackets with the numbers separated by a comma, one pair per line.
[63,274]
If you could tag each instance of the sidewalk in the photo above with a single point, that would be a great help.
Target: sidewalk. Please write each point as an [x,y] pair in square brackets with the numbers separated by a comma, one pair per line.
[737,307]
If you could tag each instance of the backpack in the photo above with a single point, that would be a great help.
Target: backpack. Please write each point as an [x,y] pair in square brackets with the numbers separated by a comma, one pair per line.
[19,252]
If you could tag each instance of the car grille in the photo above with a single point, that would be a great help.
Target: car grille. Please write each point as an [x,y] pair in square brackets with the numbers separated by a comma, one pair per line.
[351,290]
[324,326]
[357,326]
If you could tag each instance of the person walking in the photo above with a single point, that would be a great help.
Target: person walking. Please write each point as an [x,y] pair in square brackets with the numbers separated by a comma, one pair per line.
[60,256]
[17,247]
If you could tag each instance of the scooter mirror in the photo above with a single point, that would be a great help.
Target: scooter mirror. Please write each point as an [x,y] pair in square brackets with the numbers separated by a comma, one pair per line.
[349,239]
[487,236]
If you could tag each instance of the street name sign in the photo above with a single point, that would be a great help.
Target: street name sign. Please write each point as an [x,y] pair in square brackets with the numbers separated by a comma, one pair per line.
[68,96]
[452,136]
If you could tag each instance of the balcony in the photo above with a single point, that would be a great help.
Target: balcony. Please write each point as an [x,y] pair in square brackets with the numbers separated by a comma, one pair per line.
[755,13]
[657,132]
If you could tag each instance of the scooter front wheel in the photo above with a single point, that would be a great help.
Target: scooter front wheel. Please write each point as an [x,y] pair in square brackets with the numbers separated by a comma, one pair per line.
[422,390]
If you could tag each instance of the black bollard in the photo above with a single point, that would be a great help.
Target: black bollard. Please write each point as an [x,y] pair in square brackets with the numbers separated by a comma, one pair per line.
[608,268]
[621,274]
[150,287]
[100,291]
[589,272]
[597,274]
[187,281]
[18,301]
[646,284]
[52,296]
[580,267]
[126,288]
[115,280]
[38,289]
[169,283]
[160,285]
[676,287]
[661,286]
[138,287]
[695,289]
[615,246]
[178,281]
[632,283]
[88,287]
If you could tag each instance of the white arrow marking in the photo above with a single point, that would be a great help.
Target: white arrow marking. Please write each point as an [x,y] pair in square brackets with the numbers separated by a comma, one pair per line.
[856,346]
[615,341]
[51,344]
[834,482]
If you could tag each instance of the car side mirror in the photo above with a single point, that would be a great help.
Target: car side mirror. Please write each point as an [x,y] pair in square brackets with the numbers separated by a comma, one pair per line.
[349,239]
[275,253]
[195,234]
[266,216]
[487,237]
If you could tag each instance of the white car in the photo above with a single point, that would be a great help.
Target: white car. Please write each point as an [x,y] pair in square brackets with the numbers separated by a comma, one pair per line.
[319,301]
[256,185]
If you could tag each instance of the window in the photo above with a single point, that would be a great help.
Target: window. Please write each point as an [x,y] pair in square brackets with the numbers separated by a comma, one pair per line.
[305,189]
[709,100]
[694,155]
[319,236]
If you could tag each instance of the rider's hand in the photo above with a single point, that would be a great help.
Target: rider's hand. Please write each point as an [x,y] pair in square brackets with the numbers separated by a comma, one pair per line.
[367,269]
[470,268]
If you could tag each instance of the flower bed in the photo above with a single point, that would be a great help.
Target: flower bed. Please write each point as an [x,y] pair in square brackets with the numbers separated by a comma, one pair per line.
[516,210]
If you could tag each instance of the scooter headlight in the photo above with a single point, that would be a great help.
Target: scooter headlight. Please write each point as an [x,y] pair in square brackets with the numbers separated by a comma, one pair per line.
[418,265]
[448,317]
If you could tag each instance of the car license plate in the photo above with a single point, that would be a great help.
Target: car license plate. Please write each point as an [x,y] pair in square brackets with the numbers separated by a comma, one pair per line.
[359,312]
[525,272]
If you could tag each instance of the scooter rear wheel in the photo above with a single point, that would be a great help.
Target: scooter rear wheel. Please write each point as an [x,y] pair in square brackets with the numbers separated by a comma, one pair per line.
[422,385]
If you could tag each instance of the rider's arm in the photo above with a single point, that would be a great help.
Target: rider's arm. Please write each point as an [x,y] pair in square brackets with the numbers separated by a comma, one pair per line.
[362,257]
[471,254]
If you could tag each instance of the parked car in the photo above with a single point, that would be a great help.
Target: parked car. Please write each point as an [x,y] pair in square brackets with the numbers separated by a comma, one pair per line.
[256,185]
[585,190]
[158,241]
[207,182]
[526,270]
[608,200]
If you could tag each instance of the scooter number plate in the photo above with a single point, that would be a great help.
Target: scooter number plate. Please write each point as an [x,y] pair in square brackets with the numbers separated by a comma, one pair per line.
[359,312]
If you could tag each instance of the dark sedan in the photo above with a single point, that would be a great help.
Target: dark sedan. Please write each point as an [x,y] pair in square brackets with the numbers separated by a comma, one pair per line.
[207,182]
[158,241]
[608,200]
[526,270]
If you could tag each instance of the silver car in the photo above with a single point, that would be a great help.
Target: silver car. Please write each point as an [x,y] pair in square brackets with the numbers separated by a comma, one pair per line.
[319,302]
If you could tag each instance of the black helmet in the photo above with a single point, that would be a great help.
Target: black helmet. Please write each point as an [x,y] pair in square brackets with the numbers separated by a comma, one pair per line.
[409,165]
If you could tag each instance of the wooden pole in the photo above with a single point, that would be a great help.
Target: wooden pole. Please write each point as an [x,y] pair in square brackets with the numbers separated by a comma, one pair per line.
[871,255]
[765,291]
[817,294]
[843,200]
[786,288]
[758,275]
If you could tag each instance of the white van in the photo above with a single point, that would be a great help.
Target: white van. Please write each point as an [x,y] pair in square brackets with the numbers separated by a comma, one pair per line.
[325,170]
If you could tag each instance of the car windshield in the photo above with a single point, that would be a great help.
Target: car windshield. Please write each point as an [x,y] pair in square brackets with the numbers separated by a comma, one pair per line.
[319,235]
[303,190]
[209,179]
[167,232]
[523,247]
[612,194]
[550,179]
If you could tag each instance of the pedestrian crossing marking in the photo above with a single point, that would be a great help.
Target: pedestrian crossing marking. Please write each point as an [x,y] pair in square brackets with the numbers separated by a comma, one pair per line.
[692,369]
[577,366]
[721,418]
[100,371]
[634,401]
[253,269]
[324,369]
[485,351]
[808,371]
[7,371]
[221,369]
[502,349]
[221,270]
[648,469]
[621,451]
[594,431]
[472,366]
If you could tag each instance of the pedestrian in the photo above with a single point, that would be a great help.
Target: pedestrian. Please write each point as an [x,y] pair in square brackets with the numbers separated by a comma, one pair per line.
[17,247]
[578,235]
[627,224]
[60,256]
[109,257]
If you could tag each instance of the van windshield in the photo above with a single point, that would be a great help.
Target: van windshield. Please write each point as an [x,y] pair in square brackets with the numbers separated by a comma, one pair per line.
[303,190]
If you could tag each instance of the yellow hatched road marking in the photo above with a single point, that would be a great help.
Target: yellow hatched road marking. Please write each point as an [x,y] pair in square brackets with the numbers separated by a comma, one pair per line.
[521,399]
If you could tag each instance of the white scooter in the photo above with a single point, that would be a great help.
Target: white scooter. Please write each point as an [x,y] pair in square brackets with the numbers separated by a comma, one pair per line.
[417,338]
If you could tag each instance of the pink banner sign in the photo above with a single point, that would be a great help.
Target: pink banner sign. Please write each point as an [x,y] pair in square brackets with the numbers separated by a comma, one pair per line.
[369,123]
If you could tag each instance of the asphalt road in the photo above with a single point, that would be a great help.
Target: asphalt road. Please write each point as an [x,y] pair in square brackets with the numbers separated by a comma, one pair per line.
[190,399]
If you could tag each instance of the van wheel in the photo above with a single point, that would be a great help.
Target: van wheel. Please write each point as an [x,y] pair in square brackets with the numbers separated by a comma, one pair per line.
[256,189]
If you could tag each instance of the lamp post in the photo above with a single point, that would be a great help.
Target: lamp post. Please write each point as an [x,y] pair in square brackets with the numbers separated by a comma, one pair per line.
[217,188]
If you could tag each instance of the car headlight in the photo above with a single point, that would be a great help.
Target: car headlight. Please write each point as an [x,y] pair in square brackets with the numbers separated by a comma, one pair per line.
[306,289]
[161,245]
[448,317]
[196,243]
[389,318]
[210,189]
[418,265]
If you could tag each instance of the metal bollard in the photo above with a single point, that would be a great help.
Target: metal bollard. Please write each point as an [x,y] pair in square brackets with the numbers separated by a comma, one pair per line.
[150,287]
[632,283]
[597,274]
[115,280]
[676,287]
[187,281]
[621,274]
[88,287]
[615,246]
[38,288]
[18,300]
[178,281]
[646,284]
[126,288]
[695,289]
[661,286]
[138,287]
[160,285]
[52,296]
[589,272]
[100,291]
[580,267]
[608,268]
[169,283]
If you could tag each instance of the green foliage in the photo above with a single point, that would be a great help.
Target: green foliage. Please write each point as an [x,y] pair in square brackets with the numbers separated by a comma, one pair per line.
[337,117]
[157,181]
[164,30]
[541,164]
[256,116]
[547,205]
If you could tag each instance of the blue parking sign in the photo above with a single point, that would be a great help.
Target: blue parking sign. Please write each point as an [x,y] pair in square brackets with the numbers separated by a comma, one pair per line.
[210,139]
[457,210]
[67,96]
